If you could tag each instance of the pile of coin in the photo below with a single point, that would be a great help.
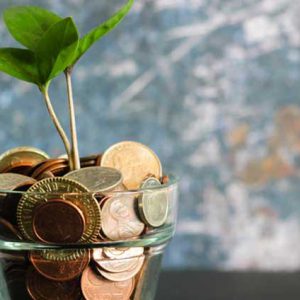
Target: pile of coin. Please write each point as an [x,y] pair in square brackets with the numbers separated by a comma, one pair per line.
[42,201]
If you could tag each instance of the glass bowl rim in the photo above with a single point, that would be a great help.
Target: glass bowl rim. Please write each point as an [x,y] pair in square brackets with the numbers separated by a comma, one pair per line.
[173,182]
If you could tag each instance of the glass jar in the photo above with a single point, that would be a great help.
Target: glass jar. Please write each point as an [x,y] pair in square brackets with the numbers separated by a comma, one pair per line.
[122,263]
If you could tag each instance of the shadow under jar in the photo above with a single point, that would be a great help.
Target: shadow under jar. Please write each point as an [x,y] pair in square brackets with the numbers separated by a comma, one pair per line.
[111,243]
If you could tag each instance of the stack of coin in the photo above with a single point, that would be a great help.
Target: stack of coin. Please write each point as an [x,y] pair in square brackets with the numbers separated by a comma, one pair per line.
[115,196]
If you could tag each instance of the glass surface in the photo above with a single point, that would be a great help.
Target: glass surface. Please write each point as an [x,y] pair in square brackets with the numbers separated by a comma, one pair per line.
[125,269]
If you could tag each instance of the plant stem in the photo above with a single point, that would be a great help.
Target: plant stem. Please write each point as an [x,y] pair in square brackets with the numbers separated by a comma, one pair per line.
[74,142]
[56,122]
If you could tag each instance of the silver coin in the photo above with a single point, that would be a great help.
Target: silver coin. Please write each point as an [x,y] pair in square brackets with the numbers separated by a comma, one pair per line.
[97,179]
[153,203]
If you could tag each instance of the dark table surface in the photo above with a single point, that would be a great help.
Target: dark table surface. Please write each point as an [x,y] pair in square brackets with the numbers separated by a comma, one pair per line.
[194,285]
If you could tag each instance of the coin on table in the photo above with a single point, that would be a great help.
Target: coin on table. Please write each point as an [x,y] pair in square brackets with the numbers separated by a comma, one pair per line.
[119,218]
[124,275]
[59,270]
[29,155]
[41,288]
[97,179]
[58,221]
[153,203]
[114,265]
[59,188]
[95,287]
[134,160]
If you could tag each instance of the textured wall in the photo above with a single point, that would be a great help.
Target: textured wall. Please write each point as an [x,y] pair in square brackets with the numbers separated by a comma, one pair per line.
[213,87]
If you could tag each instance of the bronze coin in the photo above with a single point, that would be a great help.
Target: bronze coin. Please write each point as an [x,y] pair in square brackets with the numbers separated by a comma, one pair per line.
[95,287]
[45,175]
[46,166]
[165,179]
[21,167]
[41,288]
[98,159]
[59,270]
[58,221]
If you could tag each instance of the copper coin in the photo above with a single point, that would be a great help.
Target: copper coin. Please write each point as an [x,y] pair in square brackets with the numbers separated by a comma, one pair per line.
[58,221]
[95,287]
[119,218]
[98,159]
[45,175]
[59,270]
[165,179]
[41,288]
[125,275]
[46,165]
[28,156]
[114,265]
[20,167]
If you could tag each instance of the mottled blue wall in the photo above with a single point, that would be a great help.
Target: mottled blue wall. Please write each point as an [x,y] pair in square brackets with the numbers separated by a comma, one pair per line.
[213,86]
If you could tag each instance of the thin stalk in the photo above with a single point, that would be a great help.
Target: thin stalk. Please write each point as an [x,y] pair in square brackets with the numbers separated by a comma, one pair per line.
[56,123]
[74,141]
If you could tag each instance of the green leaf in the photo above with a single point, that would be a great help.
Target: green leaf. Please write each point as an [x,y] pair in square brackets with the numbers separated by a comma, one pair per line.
[27,24]
[56,49]
[19,63]
[98,32]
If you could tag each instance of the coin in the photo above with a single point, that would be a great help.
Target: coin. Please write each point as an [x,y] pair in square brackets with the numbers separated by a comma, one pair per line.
[65,189]
[58,221]
[165,179]
[59,270]
[28,155]
[45,166]
[134,160]
[62,255]
[118,253]
[41,288]
[95,287]
[11,181]
[121,276]
[153,204]
[97,179]
[119,219]
[114,265]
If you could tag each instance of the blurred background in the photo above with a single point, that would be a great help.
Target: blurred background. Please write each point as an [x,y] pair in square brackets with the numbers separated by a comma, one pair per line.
[214,88]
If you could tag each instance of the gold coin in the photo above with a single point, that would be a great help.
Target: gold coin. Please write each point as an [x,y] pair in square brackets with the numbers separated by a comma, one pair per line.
[134,160]
[97,179]
[18,155]
[153,203]
[119,219]
[59,188]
